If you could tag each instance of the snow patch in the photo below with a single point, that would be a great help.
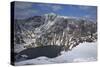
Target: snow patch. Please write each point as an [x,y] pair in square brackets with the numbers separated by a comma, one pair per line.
[84,59]
[84,52]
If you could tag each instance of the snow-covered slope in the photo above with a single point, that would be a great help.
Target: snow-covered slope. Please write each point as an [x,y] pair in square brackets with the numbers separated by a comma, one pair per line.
[82,53]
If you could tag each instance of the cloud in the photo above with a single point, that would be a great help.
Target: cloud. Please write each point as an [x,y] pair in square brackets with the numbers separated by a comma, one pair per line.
[56,7]
[51,6]
[87,7]
[84,7]
[90,11]
[22,5]
[24,10]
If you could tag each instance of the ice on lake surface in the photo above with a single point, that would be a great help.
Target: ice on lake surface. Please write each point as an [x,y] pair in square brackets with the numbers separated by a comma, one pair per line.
[84,52]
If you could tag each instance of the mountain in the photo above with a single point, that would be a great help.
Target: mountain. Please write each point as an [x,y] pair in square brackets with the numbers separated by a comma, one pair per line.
[52,29]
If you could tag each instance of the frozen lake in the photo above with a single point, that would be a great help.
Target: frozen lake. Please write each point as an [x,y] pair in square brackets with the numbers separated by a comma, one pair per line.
[84,52]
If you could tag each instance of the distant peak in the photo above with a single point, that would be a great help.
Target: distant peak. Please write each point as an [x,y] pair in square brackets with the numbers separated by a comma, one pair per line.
[51,13]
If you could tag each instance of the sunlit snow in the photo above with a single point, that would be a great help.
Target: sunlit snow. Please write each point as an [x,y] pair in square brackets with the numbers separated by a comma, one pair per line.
[84,52]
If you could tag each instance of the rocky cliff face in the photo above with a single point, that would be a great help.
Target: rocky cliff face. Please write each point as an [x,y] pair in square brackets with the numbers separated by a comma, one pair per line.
[52,29]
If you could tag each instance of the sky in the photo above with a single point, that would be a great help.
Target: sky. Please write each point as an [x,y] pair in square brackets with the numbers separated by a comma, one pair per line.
[25,10]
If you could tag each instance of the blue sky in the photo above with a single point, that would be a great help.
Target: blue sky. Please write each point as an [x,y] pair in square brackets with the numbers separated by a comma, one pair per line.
[27,9]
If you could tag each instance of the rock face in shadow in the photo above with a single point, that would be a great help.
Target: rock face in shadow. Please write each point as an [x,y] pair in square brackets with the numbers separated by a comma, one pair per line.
[49,51]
